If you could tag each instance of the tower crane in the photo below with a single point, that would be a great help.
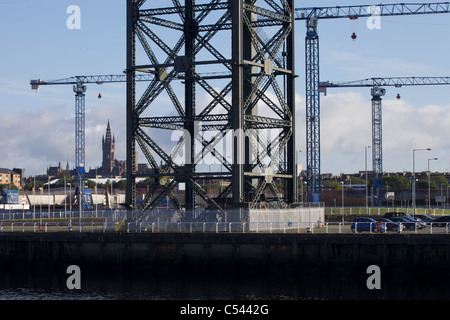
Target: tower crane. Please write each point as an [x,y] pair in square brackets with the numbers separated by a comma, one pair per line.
[79,87]
[311,16]
[378,91]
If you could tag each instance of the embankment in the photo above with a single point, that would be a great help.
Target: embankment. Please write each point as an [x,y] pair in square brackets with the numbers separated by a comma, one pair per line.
[226,252]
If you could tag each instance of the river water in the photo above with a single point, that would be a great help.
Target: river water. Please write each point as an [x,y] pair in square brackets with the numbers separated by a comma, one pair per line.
[135,286]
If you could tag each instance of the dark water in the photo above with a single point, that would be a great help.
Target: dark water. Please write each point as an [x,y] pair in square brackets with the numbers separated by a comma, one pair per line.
[136,286]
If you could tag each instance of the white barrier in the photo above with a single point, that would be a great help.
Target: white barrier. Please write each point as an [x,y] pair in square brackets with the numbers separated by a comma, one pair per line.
[307,217]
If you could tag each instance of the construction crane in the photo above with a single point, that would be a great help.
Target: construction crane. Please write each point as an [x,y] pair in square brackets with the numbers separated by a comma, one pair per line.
[311,16]
[378,91]
[79,87]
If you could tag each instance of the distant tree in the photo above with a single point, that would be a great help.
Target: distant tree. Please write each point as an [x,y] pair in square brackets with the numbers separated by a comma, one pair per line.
[356,180]
[423,184]
[438,178]
[7,187]
[122,184]
[396,182]
[333,185]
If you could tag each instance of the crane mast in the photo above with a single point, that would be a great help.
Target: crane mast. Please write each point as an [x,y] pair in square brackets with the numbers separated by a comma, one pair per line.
[312,16]
[159,79]
[80,142]
[79,88]
[377,92]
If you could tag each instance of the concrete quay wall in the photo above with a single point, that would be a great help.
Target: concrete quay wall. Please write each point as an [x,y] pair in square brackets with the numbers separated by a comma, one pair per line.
[283,253]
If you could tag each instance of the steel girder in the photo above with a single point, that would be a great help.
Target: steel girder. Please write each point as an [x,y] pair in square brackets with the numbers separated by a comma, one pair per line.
[361,11]
[256,75]
[377,144]
[377,92]
[80,141]
[312,112]
[311,16]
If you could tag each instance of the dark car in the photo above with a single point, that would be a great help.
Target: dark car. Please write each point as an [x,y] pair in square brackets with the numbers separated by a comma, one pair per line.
[408,223]
[389,215]
[441,221]
[367,224]
[391,225]
[423,217]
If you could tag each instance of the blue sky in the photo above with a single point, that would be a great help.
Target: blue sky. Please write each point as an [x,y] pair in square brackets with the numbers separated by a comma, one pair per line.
[38,128]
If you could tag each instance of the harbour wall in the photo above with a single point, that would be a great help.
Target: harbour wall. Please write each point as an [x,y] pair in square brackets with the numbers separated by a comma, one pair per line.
[227,252]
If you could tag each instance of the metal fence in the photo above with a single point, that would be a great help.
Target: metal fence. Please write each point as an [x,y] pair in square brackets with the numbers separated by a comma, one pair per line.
[380,211]
[218,227]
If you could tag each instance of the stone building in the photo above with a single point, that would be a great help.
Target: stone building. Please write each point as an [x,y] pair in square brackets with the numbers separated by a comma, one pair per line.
[8,177]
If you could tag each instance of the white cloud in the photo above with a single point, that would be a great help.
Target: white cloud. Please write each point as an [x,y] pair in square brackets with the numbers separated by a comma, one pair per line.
[363,65]
[346,129]
[38,139]
[34,140]
[345,123]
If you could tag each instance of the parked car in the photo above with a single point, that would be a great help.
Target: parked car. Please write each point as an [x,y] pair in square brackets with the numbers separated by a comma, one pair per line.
[420,224]
[441,221]
[389,215]
[367,224]
[391,225]
[423,217]
[409,223]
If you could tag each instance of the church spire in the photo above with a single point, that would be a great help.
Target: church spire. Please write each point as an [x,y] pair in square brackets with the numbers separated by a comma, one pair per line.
[108,152]
[108,133]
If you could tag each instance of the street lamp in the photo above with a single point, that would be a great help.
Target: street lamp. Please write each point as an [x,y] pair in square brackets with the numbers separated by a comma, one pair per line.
[41,189]
[342,188]
[70,204]
[302,183]
[49,197]
[297,174]
[34,197]
[367,195]
[65,197]
[429,182]
[414,177]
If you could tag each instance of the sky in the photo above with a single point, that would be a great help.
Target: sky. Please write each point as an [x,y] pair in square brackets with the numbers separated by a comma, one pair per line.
[37,129]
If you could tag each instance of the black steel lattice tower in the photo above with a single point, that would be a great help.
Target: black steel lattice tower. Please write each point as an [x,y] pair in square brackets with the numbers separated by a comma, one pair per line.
[224,87]
[312,111]
[377,144]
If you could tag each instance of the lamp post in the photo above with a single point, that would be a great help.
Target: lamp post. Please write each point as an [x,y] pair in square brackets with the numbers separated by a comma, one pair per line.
[302,183]
[367,191]
[49,197]
[70,204]
[41,189]
[297,174]
[65,197]
[429,182]
[342,188]
[34,197]
[414,177]
[96,212]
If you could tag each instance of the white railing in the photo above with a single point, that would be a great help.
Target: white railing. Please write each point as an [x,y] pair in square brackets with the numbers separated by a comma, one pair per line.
[219,227]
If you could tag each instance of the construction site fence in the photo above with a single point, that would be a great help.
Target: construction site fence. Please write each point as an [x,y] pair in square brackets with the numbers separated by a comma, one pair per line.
[315,227]
[380,211]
